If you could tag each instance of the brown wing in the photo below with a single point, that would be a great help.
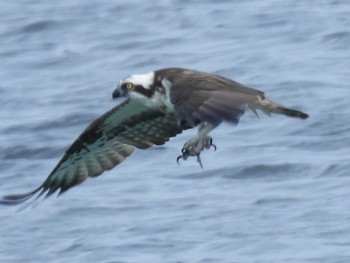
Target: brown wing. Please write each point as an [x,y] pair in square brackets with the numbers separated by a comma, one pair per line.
[201,97]
[104,144]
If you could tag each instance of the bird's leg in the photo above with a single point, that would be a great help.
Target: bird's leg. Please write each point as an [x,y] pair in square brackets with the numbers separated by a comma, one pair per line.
[197,144]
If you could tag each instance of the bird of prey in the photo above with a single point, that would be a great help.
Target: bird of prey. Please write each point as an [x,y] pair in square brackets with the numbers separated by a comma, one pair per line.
[156,106]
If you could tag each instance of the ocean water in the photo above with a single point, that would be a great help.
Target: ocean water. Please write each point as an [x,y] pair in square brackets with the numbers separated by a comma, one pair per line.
[276,190]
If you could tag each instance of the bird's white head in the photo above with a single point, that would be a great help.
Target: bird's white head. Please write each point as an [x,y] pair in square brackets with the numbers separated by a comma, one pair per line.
[138,86]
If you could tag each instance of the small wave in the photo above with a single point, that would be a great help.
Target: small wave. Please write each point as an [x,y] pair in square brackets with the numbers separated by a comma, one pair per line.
[340,39]
[276,201]
[339,169]
[39,26]
[71,120]
[267,171]
[251,172]
[25,152]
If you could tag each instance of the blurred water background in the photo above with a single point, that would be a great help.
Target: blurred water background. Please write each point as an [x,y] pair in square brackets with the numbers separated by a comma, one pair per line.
[276,190]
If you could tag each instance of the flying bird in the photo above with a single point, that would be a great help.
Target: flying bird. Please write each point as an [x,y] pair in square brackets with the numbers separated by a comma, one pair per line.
[157,106]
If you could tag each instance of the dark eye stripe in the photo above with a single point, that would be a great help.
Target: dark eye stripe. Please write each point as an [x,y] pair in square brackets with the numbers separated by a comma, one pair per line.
[146,92]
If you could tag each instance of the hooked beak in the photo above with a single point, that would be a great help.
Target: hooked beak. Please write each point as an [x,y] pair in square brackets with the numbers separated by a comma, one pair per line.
[117,93]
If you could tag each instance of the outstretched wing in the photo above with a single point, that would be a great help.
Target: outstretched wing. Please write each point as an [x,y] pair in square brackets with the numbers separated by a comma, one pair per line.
[201,97]
[105,143]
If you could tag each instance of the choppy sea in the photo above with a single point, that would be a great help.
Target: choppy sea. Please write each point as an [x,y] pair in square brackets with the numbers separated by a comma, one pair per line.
[276,190]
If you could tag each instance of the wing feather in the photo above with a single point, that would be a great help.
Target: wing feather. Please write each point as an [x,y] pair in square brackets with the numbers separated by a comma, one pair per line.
[200,97]
[105,143]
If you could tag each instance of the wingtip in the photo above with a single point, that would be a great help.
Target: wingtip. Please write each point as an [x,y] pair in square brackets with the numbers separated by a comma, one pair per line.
[11,200]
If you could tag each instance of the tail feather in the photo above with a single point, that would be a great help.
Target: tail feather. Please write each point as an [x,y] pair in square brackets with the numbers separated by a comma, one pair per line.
[292,113]
[268,107]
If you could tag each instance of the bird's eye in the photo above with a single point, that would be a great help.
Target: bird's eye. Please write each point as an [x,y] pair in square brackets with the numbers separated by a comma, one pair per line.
[129,85]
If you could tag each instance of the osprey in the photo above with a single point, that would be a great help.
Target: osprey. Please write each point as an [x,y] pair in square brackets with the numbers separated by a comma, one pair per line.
[156,106]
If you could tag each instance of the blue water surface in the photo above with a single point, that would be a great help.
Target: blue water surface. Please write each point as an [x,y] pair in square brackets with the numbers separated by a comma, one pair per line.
[276,190]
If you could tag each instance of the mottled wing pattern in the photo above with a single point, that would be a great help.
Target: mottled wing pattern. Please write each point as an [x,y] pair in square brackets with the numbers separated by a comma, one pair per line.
[201,97]
[104,144]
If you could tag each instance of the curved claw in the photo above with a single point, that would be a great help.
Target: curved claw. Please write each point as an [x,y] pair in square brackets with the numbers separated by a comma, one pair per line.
[178,159]
[184,156]
[199,161]
[210,144]
[194,147]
